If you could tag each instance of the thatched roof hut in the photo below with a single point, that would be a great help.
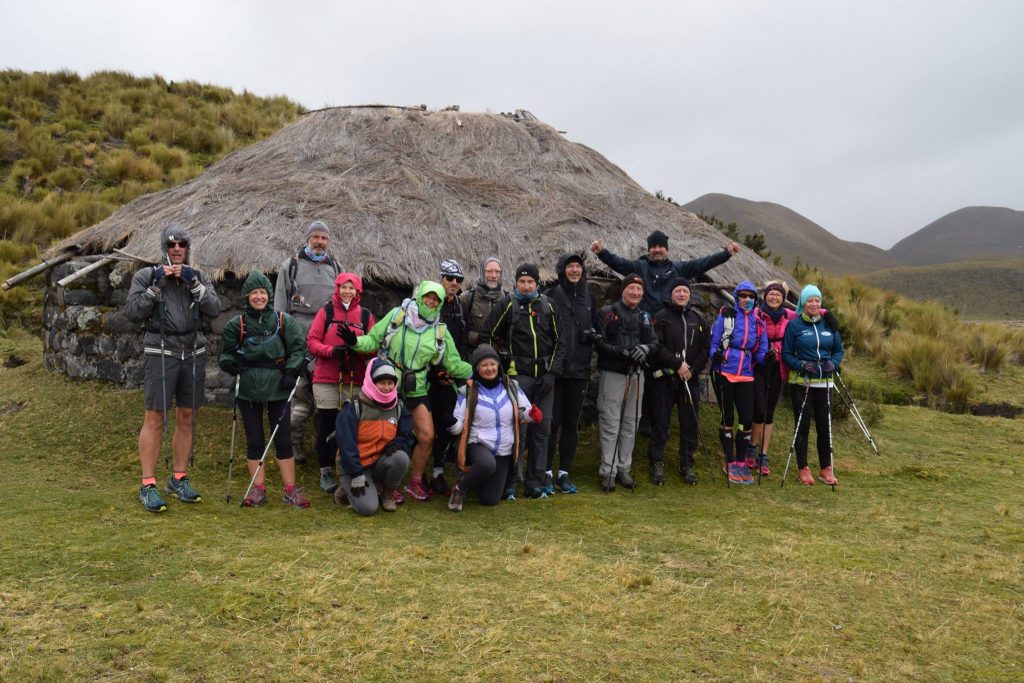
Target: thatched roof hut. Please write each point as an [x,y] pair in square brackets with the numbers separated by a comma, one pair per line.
[404,188]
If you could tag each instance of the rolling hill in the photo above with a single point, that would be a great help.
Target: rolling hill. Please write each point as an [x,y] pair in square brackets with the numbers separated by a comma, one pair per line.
[791,235]
[970,233]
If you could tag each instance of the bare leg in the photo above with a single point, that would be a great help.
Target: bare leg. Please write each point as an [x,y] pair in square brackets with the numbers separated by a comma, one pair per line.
[261,480]
[423,426]
[181,442]
[287,467]
[149,442]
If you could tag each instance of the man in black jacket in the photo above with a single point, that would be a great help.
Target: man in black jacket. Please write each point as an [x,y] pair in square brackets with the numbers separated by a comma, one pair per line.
[524,330]
[627,340]
[576,310]
[682,354]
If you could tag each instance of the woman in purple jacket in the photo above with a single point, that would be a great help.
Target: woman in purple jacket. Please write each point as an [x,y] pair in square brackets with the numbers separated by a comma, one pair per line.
[738,342]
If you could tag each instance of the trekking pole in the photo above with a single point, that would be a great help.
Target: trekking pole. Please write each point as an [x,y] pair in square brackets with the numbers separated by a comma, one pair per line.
[636,422]
[767,377]
[234,428]
[853,411]
[163,384]
[700,437]
[618,437]
[796,431]
[831,456]
[195,344]
[270,442]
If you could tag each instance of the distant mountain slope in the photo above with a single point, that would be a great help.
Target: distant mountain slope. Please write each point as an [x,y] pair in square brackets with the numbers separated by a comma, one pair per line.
[790,235]
[976,289]
[969,233]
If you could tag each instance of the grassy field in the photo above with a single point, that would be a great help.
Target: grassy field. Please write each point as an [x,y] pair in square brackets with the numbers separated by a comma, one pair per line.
[910,570]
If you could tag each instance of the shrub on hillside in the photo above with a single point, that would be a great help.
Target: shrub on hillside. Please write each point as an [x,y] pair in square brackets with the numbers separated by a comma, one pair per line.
[122,166]
[986,346]
[866,332]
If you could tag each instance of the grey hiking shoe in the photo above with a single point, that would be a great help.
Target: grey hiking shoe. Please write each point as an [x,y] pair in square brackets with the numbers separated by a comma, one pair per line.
[256,497]
[387,501]
[151,499]
[608,482]
[626,479]
[182,488]
[689,475]
[327,481]
[300,457]
[657,473]
[455,501]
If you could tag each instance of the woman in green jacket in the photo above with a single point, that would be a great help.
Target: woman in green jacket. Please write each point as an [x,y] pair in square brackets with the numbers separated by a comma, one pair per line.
[414,339]
[266,350]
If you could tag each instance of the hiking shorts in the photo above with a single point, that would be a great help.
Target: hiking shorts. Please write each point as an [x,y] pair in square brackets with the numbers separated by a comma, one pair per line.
[329,396]
[177,382]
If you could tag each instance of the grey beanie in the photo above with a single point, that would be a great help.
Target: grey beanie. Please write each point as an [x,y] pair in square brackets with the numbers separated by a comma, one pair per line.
[317,226]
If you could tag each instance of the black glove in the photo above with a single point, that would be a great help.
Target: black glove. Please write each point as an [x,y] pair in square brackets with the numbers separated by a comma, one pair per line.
[718,358]
[347,335]
[188,275]
[828,367]
[338,352]
[159,277]
[770,357]
[289,378]
[231,366]
[639,353]
[810,369]
[546,385]
[358,485]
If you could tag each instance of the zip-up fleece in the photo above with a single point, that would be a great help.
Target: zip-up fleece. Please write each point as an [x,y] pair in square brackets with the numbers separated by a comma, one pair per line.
[810,340]
[621,329]
[529,331]
[576,311]
[682,335]
[748,342]
[363,441]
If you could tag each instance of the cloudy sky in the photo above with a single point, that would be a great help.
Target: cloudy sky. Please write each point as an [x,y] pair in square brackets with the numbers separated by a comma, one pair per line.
[872,118]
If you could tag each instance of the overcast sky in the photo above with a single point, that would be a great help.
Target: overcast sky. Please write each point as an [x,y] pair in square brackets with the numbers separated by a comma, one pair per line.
[870,118]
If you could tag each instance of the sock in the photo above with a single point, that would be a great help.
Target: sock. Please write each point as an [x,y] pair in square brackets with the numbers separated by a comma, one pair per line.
[178,476]
[548,472]
[326,470]
[261,487]
[288,488]
[149,481]
[561,472]
[438,471]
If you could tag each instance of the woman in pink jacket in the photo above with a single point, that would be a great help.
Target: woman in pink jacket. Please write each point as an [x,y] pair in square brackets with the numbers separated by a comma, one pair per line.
[770,376]
[339,372]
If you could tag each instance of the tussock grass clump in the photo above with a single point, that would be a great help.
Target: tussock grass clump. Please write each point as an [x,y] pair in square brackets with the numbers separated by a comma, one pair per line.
[121,166]
[986,345]
[866,330]
[919,358]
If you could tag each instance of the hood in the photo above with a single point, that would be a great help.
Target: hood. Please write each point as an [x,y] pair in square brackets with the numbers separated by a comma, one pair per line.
[257,280]
[177,232]
[745,286]
[483,264]
[563,261]
[805,294]
[426,287]
[356,281]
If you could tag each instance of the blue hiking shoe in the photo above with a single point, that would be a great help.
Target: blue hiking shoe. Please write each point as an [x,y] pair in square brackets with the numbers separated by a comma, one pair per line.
[536,492]
[182,489]
[549,485]
[509,493]
[151,499]
[565,485]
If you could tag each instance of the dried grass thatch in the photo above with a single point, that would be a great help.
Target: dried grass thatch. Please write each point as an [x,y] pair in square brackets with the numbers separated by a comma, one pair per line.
[402,189]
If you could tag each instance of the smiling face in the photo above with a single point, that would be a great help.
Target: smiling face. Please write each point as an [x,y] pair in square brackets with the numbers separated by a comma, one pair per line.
[632,294]
[573,272]
[773,298]
[385,385]
[177,251]
[452,285]
[487,368]
[318,243]
[346,292]
[812,306]
[258,299]
[680,296]
[657,252]
[431,301]
[492,274]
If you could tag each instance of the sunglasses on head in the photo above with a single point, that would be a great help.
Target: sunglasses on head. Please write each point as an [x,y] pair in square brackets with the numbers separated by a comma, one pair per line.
[171,244]
[454,278]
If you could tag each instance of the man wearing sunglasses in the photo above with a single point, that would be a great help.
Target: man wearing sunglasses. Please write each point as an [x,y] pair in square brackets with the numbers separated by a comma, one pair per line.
[171,300]
[441,389]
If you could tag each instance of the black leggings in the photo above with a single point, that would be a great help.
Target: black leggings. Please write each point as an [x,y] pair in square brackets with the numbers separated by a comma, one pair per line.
[767,389]
[738,396]
[442,405]
[486,475]
[565,415]
[817,404]
[326,447]
[252,424]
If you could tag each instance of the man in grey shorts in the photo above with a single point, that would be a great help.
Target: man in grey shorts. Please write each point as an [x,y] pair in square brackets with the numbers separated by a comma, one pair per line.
[171,300]
[305,282]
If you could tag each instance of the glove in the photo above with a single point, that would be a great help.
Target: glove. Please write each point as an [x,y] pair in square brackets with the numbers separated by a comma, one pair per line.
[289,378]
[828,367]
[639,353]
[810,369]
[159,277]
[188,275]
[338,352]
[347,335]
[770,357]
[358,485]
[231,366]
[535,415]
[718,358]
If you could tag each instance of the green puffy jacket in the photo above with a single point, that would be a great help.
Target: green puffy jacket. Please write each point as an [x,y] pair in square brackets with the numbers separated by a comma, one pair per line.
[267,351]
[412,350]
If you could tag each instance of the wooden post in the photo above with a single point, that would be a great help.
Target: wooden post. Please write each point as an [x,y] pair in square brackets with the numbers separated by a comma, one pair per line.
[85,271]
[39,268]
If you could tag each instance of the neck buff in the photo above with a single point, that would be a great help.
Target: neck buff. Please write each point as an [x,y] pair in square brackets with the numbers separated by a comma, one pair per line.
[313,257]
[748,305]
[774,313]
[371,392]
[525,297]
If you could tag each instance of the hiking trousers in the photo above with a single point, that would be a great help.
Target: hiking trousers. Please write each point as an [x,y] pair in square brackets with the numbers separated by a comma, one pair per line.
[618,401]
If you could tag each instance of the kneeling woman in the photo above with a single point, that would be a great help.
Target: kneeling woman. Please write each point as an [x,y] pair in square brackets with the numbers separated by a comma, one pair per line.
[374,435]
[488,415]
[265,349]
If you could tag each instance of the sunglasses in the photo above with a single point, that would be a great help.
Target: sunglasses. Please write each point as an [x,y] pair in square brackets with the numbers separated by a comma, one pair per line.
[454,278]
[745,295]
[171,244]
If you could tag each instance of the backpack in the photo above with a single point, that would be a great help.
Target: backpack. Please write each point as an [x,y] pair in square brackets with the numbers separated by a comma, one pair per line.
[728,314]
[278,363]
[440,332]
[364,317]
[293,270]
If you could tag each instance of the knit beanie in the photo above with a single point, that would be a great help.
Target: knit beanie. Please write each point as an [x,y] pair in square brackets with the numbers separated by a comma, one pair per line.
[680,282]
[315,227]
[528,270]
[632,279]
[805,294]
[657,239]
[382,369]
[482,353]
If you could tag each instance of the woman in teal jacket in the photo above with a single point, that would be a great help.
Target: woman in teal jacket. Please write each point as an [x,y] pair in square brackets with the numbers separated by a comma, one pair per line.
[265,349]
[414,339]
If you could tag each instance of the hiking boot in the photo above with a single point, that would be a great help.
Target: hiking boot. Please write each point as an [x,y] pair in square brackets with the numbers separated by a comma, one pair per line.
[657,473]
[736,473]
[455,501]
[256,497]
[340,497]
[417,490]
[565,485]
[536,492]
[295,497]
[805,476]
[509,493]
[387,501]
[397,496]
[750,462]
[182,488]
[689,475]
[151,499]
[328,484]
[549,485]
[748,478]
[626,479]
[826,476]
[762,463]
[298,455]
[608,482]
[439,486]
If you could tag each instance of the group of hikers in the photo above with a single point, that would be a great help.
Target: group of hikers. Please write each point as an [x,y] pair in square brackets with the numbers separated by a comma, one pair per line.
[476,377]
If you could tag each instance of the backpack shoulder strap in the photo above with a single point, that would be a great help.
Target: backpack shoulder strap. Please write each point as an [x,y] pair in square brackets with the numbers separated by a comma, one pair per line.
[364,318]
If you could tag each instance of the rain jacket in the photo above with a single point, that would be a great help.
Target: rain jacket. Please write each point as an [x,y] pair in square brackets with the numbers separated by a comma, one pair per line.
[321,342]
[682,335]
[272,344]
[748,342]
[623,328]
[658,276]
[775,332]
[528,331]
[414,350]
[576,311]
[811,340]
